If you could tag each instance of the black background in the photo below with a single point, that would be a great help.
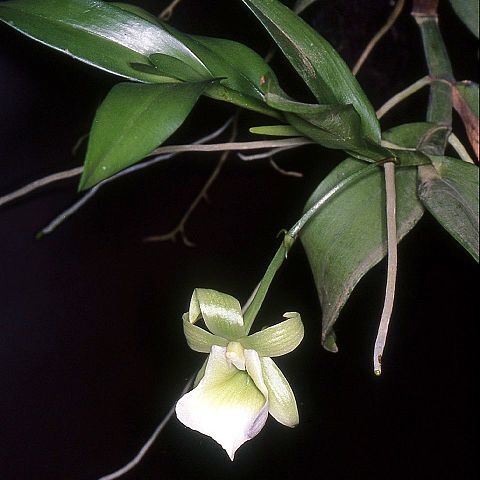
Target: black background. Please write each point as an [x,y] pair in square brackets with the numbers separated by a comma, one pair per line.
[92,354]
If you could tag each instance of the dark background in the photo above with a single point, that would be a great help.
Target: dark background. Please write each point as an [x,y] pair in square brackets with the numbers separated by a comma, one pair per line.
[92,353]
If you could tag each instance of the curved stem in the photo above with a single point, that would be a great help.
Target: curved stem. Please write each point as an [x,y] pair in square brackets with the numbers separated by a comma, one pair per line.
[138,458]
[379,35]
[400,96]
[167,12]
[238,146]
[180,228]
[42,182]
[139,166]
[259,295]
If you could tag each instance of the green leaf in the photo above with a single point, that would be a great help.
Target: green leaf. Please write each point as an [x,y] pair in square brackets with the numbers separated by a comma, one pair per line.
[420,136]
[169,67]
[333,126]
[469,91]
[467,11]
[409,135]
[278,339]
[276,131]
[316,61]
[449,191]
[338,127]
[347,237]
[97,33]
[243,70]
[136,10]
[131,122]
[221,312]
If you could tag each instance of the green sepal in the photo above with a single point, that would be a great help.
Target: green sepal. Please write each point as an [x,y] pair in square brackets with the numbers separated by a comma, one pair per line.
[221,312]
[278,339]
[199,339]
[200,374]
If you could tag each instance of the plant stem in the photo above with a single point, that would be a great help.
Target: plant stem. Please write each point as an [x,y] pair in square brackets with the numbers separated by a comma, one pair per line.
[180,228]
[290,237]
[55,177]
[400,96]
[138,458]
[379,35]
[438,62]
[238,146]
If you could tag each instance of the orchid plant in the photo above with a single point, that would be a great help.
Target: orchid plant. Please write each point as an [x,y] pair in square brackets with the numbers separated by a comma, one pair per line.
[353,219]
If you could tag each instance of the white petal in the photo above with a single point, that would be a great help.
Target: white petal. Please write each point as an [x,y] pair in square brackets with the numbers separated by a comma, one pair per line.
[226,405]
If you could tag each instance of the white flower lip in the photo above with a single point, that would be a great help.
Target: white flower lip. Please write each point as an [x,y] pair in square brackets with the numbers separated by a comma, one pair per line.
[227,404]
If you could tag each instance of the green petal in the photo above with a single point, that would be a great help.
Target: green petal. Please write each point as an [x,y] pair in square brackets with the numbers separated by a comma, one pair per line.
[281,400]
[199,339]
[226,405]
[278,339]
[221,312]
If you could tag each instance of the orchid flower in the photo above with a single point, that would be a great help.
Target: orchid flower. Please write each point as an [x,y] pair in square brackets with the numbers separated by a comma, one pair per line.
[239,384]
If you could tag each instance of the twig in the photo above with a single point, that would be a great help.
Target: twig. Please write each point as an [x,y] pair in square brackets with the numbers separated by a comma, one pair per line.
[167,13]
[400,96]
[180,228]
[301,5]
[55,177]
[138,458]
[288,173]
[378,36]
[139,166]
[391,269]
[229,146]
[79,142]
[267,154]
[455,142]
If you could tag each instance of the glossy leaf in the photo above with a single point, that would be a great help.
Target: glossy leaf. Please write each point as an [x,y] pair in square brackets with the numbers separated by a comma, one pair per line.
[243,71]
[332,126]
[276,131]
[338,127]
[97,33]
[347,237]
[449,191]
[467,11]
[133,120]
[316,61]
